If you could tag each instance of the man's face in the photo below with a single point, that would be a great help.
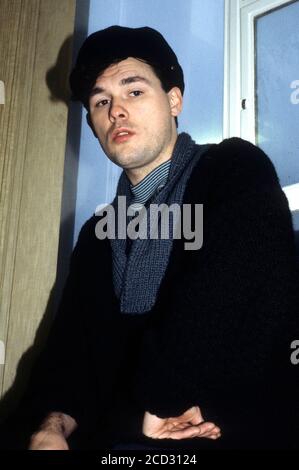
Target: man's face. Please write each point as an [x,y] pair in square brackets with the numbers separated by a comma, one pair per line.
[132,116]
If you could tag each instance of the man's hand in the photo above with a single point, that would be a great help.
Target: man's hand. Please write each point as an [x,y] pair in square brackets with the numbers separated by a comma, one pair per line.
[53,433]
[189,424]
[48,440]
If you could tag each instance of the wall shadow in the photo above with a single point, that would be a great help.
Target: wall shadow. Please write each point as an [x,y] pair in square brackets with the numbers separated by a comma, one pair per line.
[14,432]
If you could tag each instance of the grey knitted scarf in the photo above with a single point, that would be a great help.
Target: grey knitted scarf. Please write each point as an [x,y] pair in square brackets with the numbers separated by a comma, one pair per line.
[137,275]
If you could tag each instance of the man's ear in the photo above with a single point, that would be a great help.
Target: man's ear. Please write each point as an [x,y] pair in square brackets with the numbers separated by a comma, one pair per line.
[89,122]
[175,101]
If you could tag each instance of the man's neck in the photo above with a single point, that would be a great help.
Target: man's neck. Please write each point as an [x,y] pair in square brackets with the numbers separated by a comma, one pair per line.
[136,175]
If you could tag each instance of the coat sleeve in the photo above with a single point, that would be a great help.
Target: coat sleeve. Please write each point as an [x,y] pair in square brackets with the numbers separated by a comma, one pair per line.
[230,312]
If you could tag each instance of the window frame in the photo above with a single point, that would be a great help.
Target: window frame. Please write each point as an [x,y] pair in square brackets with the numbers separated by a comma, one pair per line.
[239,109]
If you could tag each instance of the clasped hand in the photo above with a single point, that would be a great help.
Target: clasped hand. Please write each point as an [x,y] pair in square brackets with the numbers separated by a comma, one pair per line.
[188,425]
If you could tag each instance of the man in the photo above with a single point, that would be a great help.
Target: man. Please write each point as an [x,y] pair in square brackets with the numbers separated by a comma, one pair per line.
[154,343]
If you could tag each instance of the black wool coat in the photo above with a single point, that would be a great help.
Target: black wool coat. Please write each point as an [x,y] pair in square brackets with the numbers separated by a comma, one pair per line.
[218,336]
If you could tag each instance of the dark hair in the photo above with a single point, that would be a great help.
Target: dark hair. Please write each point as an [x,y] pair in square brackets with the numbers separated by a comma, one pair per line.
[165,83]
[83,82]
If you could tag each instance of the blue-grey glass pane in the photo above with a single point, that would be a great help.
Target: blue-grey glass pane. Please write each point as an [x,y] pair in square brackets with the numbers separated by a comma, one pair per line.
[277,89]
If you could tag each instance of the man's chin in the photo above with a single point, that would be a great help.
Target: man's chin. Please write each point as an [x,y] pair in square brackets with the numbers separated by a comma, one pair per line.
[125,161]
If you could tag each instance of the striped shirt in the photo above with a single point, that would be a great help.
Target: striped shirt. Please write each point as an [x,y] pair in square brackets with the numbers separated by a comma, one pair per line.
[151,183]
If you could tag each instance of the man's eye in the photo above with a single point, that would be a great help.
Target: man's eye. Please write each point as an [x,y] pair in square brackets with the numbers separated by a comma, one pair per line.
[136,92]
[101,103]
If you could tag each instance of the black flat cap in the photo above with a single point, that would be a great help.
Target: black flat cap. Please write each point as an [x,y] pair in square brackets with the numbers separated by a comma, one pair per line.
[117,43]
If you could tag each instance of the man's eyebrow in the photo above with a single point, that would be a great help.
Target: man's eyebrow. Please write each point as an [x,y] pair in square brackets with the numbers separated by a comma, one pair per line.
[135,78]
[96,90]
[125,81]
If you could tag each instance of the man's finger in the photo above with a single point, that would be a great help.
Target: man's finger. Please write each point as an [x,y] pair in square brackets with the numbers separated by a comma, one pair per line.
[189,432]
[214,436]
[209,432]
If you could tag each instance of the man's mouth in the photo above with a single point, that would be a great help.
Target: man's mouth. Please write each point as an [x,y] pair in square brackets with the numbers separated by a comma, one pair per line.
[121,135]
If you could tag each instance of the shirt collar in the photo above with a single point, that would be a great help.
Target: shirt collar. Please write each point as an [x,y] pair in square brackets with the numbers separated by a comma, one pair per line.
[155,180]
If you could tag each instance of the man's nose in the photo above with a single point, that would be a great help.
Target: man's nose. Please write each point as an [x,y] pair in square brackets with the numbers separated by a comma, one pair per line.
[117,111]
